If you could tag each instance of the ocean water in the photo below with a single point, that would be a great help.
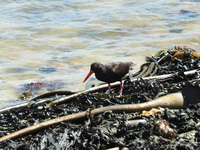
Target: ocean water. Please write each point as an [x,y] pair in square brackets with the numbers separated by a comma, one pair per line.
[55,41]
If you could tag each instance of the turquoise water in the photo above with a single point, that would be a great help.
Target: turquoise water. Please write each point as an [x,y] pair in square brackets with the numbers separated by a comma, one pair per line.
[57,40]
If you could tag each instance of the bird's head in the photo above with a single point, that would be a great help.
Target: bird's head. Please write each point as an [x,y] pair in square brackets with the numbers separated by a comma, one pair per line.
[93,68]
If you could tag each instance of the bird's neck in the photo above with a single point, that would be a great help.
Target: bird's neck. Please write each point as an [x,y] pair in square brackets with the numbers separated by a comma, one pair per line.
[100,73]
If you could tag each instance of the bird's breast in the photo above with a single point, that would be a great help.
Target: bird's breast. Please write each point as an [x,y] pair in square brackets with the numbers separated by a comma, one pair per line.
[108,77]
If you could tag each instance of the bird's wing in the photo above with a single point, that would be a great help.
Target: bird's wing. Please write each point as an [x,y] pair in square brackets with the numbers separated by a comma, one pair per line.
[119,68]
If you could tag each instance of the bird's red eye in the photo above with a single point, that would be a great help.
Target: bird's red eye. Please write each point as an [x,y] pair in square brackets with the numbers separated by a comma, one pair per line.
[95,66]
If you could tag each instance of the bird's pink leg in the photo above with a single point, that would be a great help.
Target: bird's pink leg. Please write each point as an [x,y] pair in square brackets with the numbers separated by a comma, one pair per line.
[121,89]
[109,88]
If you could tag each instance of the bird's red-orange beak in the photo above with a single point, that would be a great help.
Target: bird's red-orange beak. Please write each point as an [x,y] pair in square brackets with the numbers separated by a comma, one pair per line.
[89,74]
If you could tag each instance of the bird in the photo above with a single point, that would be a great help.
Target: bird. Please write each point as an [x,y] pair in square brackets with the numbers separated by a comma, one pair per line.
[110,72]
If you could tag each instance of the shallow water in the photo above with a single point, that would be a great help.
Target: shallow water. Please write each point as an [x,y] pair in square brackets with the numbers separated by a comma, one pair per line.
[57,40]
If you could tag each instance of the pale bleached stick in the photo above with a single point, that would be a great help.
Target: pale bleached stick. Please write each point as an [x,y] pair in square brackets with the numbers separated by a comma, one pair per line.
[173,101]
[94,89]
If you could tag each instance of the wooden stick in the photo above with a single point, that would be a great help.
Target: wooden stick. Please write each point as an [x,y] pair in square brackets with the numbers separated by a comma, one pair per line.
[174,101]
[94,89]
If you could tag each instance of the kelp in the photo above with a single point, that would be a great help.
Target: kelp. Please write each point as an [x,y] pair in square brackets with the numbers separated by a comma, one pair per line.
[111,129]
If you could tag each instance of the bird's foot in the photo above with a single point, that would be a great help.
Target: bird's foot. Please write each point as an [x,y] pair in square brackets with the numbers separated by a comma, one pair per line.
[120,95]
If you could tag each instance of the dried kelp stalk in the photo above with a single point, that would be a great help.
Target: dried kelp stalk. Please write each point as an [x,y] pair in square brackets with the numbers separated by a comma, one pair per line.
[174,100]
[73,96]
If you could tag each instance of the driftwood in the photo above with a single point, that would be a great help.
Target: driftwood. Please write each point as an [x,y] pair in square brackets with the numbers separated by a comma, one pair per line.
[70,97]
[173,101]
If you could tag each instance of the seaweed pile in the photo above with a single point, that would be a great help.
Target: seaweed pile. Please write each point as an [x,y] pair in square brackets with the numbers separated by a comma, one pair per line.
[115,130]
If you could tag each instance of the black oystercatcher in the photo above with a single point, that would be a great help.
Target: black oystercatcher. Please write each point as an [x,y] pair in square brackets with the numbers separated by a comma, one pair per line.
[110,72]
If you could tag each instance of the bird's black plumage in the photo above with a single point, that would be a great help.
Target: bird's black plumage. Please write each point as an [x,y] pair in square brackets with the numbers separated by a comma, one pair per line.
[110,72]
